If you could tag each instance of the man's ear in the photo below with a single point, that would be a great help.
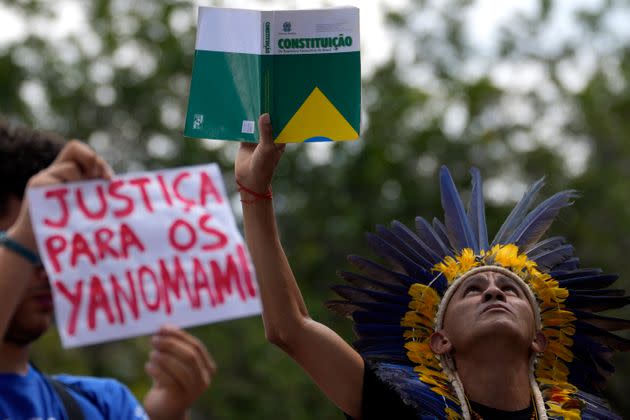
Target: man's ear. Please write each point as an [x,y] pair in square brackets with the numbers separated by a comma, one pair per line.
[539,344]
[440,344]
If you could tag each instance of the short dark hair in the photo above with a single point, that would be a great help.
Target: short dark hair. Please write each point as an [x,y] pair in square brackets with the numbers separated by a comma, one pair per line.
[23,153]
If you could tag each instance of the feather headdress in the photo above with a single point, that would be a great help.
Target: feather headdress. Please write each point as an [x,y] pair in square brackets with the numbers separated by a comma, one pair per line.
[397,306]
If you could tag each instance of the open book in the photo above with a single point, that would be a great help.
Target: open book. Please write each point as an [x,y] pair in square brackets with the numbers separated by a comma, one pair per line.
[301,66]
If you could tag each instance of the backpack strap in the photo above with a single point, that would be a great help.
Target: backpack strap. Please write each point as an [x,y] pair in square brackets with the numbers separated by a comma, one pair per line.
[73,410]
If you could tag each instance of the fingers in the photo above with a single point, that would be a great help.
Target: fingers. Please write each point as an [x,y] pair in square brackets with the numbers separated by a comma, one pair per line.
[167,369]
[91,165]
[161,376]
[180,358]
[169,331]
[57,173]
[67,171]
[248,146]
[256,163]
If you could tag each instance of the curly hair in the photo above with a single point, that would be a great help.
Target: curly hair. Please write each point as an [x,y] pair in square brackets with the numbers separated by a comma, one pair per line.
[23,153]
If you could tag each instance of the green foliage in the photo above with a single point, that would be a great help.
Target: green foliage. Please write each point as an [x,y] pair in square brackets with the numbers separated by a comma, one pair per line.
[532,99]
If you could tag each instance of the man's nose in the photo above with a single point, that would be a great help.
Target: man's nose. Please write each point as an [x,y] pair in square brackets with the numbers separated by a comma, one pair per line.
[493,293]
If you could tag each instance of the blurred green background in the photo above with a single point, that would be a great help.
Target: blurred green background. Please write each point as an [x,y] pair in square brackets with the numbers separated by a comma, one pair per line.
[539,89]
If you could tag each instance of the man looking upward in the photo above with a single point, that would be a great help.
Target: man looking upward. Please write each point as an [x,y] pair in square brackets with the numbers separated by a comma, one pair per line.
[489,333]
[449,325]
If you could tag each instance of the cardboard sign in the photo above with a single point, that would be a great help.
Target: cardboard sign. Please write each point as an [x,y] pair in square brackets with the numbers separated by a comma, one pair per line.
[126,256]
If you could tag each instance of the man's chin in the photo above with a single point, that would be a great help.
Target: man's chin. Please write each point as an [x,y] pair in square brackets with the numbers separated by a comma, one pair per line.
[23,337]
[499,327]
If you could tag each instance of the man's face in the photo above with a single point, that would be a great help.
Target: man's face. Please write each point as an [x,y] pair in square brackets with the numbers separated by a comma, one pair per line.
[33,315]
[489,305]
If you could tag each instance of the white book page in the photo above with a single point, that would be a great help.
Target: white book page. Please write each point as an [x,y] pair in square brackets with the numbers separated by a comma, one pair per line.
[229,30]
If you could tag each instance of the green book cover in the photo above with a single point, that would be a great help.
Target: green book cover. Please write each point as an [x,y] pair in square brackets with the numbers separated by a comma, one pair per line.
[303,67]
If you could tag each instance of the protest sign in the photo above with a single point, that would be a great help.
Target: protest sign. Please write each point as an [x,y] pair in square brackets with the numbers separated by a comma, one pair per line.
[126,256]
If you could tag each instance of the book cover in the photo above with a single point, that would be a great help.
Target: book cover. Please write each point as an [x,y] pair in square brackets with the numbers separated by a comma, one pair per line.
[301,66]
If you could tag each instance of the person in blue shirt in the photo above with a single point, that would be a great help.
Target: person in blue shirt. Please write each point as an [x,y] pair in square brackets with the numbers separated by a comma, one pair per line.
[179,364]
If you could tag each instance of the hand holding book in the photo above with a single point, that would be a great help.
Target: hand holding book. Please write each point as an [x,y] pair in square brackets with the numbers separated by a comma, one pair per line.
[256,163]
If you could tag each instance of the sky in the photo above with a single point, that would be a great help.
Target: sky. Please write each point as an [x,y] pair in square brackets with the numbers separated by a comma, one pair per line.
[483,20]
[70,19]
[485,17]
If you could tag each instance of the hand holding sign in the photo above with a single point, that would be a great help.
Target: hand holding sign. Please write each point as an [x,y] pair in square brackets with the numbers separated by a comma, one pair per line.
[125,256]
[181,369]
[75,162]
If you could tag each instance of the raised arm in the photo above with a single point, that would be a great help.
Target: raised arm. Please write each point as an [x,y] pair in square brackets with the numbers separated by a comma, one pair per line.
[334,366]
[75,162]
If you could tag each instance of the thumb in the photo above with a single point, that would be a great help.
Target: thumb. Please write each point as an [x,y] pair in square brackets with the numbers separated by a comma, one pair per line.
[264,127]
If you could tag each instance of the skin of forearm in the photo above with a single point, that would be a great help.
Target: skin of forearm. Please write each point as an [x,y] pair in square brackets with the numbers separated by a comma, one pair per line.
[284,309]
[287,322]
[13,281]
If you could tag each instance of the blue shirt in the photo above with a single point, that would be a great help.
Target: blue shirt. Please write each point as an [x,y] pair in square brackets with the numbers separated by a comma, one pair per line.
[30,397]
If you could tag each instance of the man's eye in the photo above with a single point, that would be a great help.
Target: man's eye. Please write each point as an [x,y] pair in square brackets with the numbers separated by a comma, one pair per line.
[509,289]
[471,289]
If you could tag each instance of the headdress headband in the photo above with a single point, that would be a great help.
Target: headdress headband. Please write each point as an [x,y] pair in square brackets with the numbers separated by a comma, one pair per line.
[395,306]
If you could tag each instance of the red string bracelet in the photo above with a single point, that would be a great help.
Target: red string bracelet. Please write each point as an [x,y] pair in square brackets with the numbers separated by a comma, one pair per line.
[257,196]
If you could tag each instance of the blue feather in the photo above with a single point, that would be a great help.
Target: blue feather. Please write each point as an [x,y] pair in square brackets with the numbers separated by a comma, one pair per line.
[551,258]
[383,307]
[390,349]
[379,330]
[345,308]
[587,281]
[545,245]
[596,408]
[604,322]
[354,294]
[430,237]
[412,240]
[597,292]
[440,230]
[591,364]
[518,213]
[383,274]
[404,380]
[477,210]
[458,229]
[602,336]
[389,345]
[364,317]
[599,361]
[596,303]
[538,220]
[395,256]
[584,374]
[582,272]
[399,243]
[365,282]
[385,355]
[568,265]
